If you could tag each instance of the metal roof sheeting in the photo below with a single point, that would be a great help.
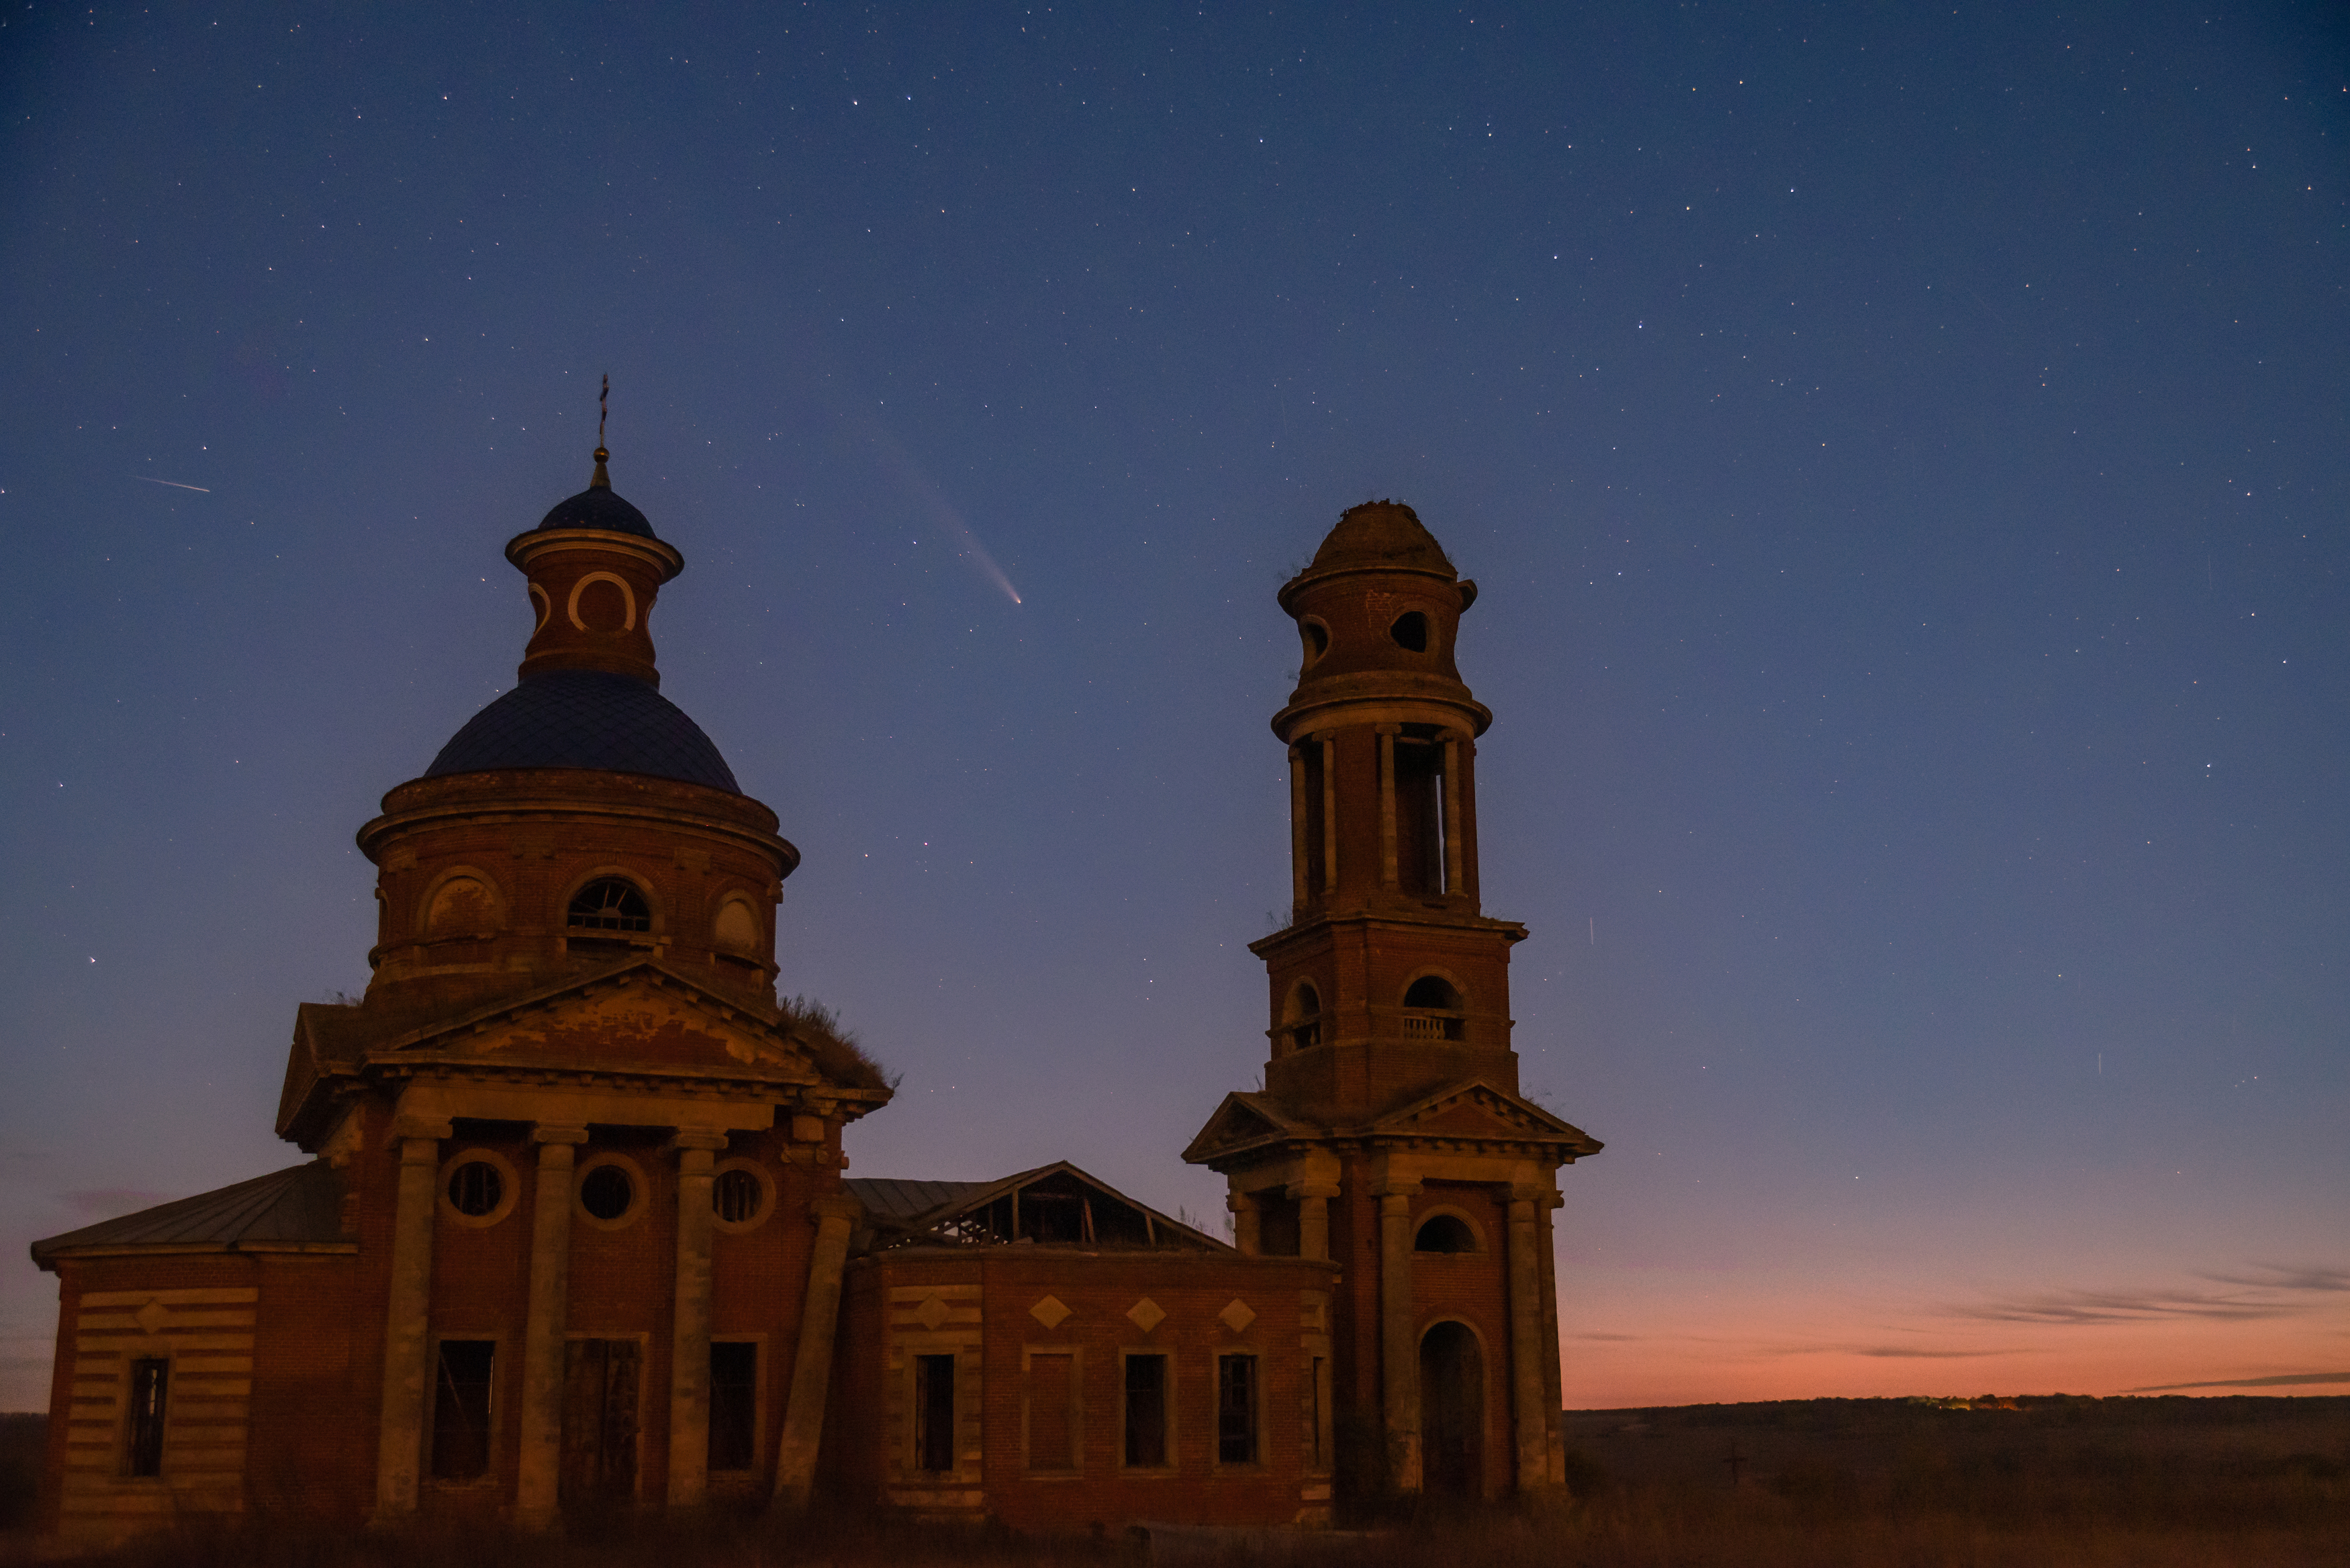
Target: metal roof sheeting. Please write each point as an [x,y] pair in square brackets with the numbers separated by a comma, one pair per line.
[301,1203]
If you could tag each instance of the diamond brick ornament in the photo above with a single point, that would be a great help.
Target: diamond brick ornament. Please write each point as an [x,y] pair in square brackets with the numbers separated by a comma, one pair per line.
[1050,1311]
[930,1314]
[1146,1315]
[1237,1314]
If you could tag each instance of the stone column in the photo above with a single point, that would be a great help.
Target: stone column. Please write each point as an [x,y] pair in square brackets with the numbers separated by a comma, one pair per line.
[1398,1346]
[1554,1387]
[1297,824]
[812,1368]
[1389,877]
[1455,878]
[689,1356]
[549,1312]
[407,1323]
[1526,1321]
[1313,1217]
[1248,1232]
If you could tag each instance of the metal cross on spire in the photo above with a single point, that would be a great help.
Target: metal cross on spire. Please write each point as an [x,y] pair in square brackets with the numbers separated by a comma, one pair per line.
[603,406]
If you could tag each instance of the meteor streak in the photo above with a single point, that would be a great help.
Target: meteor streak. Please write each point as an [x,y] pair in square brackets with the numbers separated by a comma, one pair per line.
[172,482]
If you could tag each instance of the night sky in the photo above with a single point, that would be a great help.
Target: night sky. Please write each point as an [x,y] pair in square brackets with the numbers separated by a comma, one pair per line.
[1903,451]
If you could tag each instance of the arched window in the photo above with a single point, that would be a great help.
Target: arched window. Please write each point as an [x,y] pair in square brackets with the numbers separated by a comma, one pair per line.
[1432,1009]
[1444,1233]
[736,927]
[1302,1018]
[609,904]
[461,907]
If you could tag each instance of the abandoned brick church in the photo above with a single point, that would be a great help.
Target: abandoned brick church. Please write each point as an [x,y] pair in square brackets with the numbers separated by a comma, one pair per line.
[577,1231]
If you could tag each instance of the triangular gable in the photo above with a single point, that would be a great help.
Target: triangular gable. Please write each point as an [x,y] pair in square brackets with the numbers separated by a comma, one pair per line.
[639,1018]
[1241,1121]
[1055,1203]
[1479,1110]
[638,1015]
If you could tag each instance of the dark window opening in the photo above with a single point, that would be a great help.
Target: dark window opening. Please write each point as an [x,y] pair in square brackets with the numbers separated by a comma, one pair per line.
[476,1189]
[1318,864]
[934,1412]
[1445,1233]
[1411,632]
[1305,1020]
[461,1409]
[1146,1411]
[151,1380]
[600,1382]
[1432,990]
[1431,1010]
[1052,1391]
[1420,816]
[606,1192]
[1317,639]
[733,1404]
[1236,1409]
[737,1196]
[610,904]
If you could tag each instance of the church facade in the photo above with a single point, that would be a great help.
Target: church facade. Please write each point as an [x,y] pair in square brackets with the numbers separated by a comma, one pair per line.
[576,1232]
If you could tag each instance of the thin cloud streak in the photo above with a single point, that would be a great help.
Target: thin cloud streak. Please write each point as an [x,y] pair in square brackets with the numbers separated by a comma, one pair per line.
[2285,1380]
[2267,1292]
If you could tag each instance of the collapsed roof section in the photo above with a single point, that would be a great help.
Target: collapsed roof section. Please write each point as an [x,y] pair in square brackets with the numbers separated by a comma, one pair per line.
[1054,1205]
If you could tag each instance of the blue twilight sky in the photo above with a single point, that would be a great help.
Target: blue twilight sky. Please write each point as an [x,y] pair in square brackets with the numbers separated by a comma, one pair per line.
[1903,450]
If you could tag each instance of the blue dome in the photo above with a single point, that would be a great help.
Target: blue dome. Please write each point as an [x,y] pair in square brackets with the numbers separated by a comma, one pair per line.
[598,507]
[586,719]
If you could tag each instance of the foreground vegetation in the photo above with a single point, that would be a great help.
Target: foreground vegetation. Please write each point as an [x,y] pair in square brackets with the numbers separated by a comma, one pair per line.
[1865,1483]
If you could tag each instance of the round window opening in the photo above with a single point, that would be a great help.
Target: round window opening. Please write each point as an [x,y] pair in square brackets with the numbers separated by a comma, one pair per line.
[737,1197]
[1318,639]
[610,904]
[606,1192]
[476,1189]
[1411,632]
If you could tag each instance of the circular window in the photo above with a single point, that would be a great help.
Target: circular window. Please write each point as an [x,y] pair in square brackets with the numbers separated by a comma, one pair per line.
[476,1189]
[738,1196]
[1411,632]
[609,904]
[606,1192]
[1316,637]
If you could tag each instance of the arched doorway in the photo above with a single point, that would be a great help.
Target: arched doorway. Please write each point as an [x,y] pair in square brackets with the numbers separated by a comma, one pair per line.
[1451,1412]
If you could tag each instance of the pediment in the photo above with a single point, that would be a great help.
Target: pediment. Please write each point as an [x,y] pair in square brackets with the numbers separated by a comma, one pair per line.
[1478,1110]
[639,1018]
[1242,1121]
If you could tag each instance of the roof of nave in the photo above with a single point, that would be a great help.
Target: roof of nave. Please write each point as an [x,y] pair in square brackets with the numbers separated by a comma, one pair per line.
[1053,1205]
[586,719]
[302,1203]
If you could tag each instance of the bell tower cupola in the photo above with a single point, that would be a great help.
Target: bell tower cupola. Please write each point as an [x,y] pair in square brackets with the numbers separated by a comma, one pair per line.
[1380,728]
[595,568]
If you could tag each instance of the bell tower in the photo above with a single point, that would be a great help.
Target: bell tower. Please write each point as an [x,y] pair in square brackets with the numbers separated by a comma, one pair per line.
[1390,1134]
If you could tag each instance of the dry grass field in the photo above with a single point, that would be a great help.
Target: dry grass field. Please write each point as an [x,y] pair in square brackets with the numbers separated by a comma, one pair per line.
[2080,1483]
